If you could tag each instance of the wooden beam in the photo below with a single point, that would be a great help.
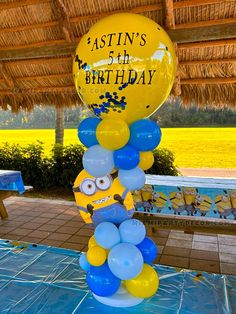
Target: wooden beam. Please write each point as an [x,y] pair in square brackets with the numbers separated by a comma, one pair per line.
[59,60]
[169,14]
[206,23]
[43,77]
[199,62]
[185,38]
[215,43]
[48,89]
[20,3]
[197,34]
[196,3]
[62,16]
[209,80]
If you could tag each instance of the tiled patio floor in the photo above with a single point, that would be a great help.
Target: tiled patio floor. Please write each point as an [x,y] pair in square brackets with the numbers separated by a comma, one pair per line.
[58,223]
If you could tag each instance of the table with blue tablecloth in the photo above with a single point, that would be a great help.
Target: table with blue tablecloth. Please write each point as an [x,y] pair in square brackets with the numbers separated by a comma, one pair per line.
[43,279]
[10,181]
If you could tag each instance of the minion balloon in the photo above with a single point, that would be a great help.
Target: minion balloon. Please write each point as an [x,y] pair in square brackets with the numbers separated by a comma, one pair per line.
[102,199]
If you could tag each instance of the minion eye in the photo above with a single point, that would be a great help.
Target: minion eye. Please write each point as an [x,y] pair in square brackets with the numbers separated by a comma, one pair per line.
[103,183]
[88,187]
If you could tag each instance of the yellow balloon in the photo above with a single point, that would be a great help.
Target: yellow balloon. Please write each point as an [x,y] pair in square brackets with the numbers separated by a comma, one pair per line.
[145,284]
[146,160]
[92,242]
[112,133]
[124,67]
[96,255]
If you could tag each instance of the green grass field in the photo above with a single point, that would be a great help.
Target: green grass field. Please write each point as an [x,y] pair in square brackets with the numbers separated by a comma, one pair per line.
[193,147]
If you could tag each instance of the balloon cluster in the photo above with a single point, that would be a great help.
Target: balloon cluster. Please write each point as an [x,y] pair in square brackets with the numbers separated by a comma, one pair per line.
[125,255]
[113,144]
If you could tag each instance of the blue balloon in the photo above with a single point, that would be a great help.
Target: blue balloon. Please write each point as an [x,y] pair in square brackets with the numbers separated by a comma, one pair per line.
[126,158]
[98,161]
[101,281]
[148,249]
[145,135]
[125,261]
[83,262]
[107,235]
[132,231]
[87,131]
[133,179]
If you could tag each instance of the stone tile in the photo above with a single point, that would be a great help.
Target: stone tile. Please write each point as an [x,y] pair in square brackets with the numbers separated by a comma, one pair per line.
[222,248]
[179,243]
[85,232]
[73,246]
[32,213]
[11,237]
[21,218]
[227,240]
[51,242]
[79,239]
[159,241]
[205,246]
[205,255]
[4,229]
[64,217]
[180,235]
[176,251]
[177,261]
[160,249]
[41,220]
[31,225]
[31,239]
[205,238]
[39,234]
[58,222]
[11,223]
[157,259]
[228,268]
[204,265]
[48,215]
[48,227]
[59,236]
[68,230]
[75,224]
[227,258]
[21,231]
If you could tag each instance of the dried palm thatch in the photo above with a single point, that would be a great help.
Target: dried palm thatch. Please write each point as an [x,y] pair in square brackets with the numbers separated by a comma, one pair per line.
[38,37]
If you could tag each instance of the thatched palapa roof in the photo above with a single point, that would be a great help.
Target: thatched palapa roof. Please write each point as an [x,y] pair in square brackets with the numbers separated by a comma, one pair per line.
[39,37]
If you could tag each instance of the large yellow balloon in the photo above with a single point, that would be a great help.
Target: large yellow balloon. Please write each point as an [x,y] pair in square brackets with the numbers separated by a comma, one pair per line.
[146,160]
[96,256]
[124,67]
[112,133]
[145,284]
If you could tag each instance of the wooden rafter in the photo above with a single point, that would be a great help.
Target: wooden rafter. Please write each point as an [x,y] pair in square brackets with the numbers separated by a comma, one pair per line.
[41,90]
[169,14]
[206,23]
[6,77]
[209,80]
[63,20]
[20,3]
[207,62]
[189,38]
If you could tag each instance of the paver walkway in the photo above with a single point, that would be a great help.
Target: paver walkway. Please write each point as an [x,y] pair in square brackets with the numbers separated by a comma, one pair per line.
[57,223]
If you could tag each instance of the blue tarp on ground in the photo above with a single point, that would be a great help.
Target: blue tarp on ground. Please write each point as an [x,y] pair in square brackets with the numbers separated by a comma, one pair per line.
[43,279]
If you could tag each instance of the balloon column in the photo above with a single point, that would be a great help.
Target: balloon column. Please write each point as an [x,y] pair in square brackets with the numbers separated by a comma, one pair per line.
[123,70]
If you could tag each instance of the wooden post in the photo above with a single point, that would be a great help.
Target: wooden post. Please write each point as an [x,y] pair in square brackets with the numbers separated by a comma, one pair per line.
[59,131]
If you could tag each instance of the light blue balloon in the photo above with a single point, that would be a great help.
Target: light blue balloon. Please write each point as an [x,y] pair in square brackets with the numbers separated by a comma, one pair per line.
[98,161]
[83,262]
[125,261]
[133,179]
[132,231]
[107,235]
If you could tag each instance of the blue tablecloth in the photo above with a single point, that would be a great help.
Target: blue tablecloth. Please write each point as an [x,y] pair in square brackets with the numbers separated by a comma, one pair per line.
[43,279]
[11,181]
